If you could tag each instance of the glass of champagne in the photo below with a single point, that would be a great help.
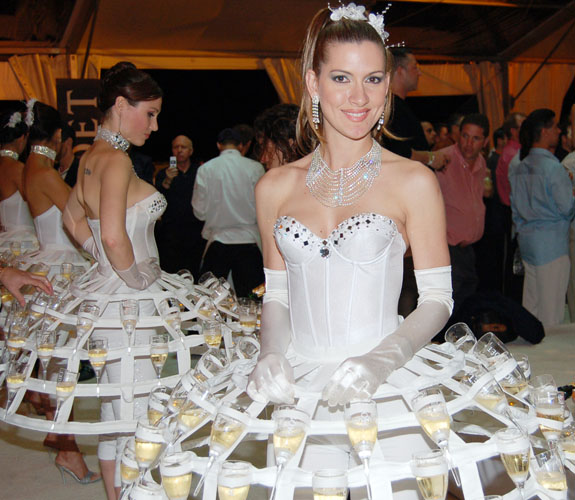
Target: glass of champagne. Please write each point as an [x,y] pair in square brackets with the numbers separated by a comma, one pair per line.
[159,351]
[234,480]
[88,313]
[544,381]
[212,331]
[514,448]
[17,338]
[65,387]
[189,418]
[157,404]
[567,441]
[461,336]
[98,354]
[431,412]
[16,248]
[66,270]
[148,491]
[129,471]
[227,428]
[290,425]
[361,424]
[430,471]
[129,314]
[176,472]
[329,484]
[45,345]
[550,411]
[248,315]
[15,379]
[150,442]
[207,309]
[549,471]
[170,312]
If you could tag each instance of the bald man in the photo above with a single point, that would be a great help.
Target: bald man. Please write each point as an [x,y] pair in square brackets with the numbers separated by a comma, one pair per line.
[178,234]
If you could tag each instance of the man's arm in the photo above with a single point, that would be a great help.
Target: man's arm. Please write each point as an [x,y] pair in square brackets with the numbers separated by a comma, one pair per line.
[200,196]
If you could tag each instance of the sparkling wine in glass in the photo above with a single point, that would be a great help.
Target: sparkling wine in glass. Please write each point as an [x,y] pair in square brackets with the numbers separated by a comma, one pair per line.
[290,425]
[361,424]
[461,336]
[549,471]
[157,404]
[159,351]
[212,331]
[430,471]
[176,472]
[98,354]
[189,417]
[45,345]
[129,471]
[65,387]
[150,442]
[550,411]
[170,312]
[66,270]
[329,484]
[248,315]
[88,313]
[234,480]
[129,315]
[227,429]
[513,446]
[15,379]
[431,412]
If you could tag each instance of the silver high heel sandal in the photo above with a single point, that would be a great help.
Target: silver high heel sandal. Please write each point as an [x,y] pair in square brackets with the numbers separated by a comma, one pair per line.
[87,479]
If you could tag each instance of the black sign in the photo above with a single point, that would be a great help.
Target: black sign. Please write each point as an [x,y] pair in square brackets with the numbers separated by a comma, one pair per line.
[77,104]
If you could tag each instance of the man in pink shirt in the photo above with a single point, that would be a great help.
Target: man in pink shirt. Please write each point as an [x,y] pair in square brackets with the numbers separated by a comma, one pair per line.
[463,186]
[511,127]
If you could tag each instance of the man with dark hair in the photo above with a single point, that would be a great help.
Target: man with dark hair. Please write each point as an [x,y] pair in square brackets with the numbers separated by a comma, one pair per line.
[403,123]
[246,137]
[224,198]
[451,135]
[178,233]
[463,186]
[542,206]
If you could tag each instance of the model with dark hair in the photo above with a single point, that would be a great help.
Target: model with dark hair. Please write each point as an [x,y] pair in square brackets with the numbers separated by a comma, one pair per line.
[275,129]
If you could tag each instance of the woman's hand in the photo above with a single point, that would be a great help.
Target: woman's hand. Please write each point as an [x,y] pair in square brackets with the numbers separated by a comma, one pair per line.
[272,380]
[14,280]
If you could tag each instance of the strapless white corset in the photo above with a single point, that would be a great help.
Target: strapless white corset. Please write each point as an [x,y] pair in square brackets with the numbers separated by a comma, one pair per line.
[140,220]
[344,289]
[14,213]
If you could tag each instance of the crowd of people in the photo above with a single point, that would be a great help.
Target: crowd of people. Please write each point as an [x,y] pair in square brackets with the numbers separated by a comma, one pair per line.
[366,213]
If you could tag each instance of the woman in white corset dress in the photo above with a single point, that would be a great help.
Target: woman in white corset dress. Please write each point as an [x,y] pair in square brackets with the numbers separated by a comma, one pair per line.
[112,213]
[15,217]
[335,225]
[46,194]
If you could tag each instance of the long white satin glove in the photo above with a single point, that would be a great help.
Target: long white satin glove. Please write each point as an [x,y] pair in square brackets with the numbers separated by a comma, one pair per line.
[90,246]
[272,378]
[360,376]
[140,275]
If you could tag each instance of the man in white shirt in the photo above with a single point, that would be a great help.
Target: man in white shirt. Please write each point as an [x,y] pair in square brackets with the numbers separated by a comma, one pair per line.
[224,198]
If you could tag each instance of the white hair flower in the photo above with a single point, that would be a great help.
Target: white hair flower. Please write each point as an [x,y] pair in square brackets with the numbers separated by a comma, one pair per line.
[15,119]
[378,23]
[350,11]
[29,120]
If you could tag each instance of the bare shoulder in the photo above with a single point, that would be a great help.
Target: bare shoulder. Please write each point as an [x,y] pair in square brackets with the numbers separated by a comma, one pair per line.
[279,182]
[408,175]
[105,159]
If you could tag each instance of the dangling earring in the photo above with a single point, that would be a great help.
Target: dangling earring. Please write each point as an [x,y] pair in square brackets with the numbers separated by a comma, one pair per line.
[315,111]
[119,132]
[380,121]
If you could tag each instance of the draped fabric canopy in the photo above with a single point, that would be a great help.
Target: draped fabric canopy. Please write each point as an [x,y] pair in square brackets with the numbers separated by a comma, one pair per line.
[254,34]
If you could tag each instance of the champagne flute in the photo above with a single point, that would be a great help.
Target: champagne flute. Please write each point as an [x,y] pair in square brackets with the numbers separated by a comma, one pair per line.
[45,345]
[129,314]
[16,338]
[461,336]
[88,313]
[431,412]
[149,444]
[15,379]
[158,403]
[212,331]
[290,425]
[234,480]
[98,354]
[361,424]
[329,484]
[189,417]
[176,472]
[16,248]
[65,387]
[430,471]
[550,411]
[549,471]
[227,428]
[129,471]
[248,313]
[207,309]
[66,270]
[170,312]
[159,352]
[513,446]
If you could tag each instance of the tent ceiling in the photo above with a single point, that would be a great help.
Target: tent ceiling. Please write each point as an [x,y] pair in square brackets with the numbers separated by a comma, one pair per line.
[439,30]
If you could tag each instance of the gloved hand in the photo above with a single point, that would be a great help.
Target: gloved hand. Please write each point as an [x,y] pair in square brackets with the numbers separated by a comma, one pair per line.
[90,246]
[140,275]
[272,378]
[360,376]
